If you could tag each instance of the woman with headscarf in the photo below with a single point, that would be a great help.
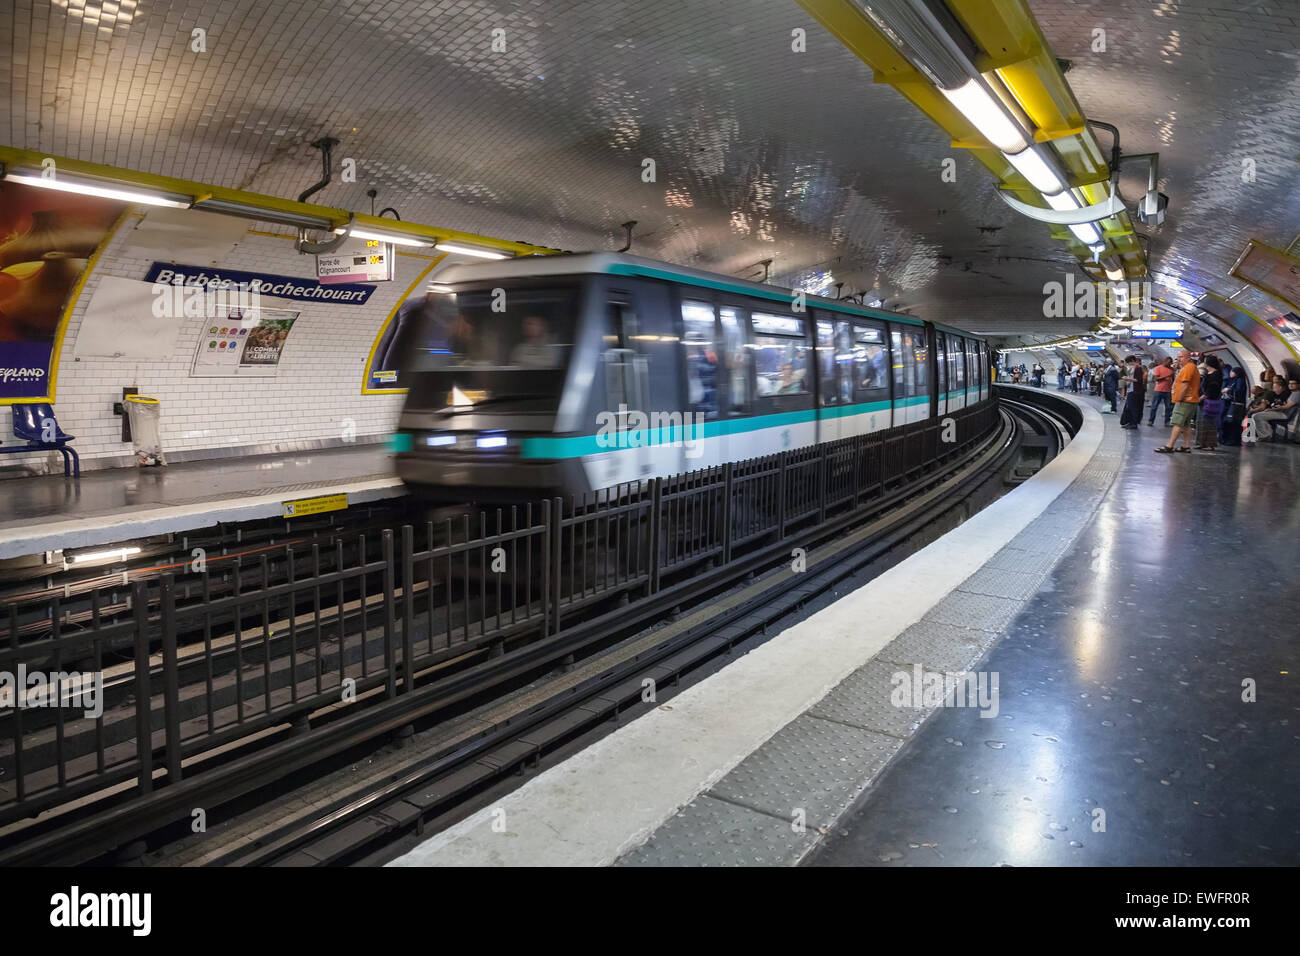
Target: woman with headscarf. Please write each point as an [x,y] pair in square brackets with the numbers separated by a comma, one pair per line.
[1207,420]
[1135,400]
[1234,405]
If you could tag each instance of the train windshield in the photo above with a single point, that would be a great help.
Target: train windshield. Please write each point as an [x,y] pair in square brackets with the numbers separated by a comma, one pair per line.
[493,346]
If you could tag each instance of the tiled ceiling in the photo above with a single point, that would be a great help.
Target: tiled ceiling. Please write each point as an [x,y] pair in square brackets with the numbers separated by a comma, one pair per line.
[760,152]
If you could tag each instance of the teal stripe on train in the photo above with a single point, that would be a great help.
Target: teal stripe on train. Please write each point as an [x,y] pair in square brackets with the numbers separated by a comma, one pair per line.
[578,446]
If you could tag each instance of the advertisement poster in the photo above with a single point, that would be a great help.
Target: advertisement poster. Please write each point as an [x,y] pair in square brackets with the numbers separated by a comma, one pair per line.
[46,241]
[239,343]
[382,372]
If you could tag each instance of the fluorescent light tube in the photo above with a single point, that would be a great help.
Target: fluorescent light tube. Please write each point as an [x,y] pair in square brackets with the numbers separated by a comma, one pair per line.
[68,184]
[1087,232]
[1030,164]
[464,250]
[988,116]
[492,441]
[1062,201]
[103,555]
[394,238]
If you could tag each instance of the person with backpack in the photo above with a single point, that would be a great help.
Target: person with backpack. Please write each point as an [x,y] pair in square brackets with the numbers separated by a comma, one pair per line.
[1110,387]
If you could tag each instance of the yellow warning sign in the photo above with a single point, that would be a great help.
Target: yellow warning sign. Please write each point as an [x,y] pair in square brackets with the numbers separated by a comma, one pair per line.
[314,506]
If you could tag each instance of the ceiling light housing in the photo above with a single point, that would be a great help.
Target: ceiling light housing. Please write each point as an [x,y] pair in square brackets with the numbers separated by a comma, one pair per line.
[396,238]
[460,248]
[94,186]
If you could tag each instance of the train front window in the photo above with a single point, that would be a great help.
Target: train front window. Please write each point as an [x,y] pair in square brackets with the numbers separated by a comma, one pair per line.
[500,328]
[493,345]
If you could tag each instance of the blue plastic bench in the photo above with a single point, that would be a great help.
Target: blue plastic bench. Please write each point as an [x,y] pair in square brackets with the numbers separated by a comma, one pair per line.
[29,429]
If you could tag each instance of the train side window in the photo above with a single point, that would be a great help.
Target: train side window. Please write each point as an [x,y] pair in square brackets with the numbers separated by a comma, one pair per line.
[780,355]
[700,355]
[740,393]
[870,361]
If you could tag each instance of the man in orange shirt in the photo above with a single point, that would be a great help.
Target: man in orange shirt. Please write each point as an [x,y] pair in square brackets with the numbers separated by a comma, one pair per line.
[1187,396]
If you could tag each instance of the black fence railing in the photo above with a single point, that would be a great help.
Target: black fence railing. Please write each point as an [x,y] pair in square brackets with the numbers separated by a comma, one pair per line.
[168,669]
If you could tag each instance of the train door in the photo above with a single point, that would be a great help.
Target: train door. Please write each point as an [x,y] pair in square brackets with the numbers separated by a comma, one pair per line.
[703,379]
[831,407]
[941,383]
[625,441]
[913,397]
[871,390]
[956,372]
[737,393]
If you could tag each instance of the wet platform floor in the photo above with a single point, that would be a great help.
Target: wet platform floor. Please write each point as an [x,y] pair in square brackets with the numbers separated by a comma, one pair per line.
[1123,734]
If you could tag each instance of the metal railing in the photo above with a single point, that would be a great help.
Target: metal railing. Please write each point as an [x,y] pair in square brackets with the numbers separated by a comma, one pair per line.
[192,663]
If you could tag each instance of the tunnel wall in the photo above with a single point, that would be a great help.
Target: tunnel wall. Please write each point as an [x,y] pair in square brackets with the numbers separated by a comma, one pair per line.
[315,393]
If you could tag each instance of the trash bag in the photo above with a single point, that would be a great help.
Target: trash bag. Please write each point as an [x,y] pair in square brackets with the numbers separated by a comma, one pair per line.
[144,414]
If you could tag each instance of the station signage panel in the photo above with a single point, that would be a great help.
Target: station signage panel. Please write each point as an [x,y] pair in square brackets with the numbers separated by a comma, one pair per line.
[263,283]
[1156,330]
[364,260]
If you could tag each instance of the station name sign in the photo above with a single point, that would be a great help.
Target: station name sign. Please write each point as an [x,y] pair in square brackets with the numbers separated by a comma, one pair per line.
[263,283]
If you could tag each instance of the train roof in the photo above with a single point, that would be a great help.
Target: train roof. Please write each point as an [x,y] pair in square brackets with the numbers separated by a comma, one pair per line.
[616,263]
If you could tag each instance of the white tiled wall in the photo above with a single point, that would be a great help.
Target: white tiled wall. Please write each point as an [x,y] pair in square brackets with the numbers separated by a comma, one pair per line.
[316,389]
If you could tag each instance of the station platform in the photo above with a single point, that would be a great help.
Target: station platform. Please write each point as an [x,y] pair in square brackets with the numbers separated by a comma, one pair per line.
[49,512]
[1137,613]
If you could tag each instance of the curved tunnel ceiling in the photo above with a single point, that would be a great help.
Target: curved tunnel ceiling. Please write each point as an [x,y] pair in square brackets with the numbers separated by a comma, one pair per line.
[760,152]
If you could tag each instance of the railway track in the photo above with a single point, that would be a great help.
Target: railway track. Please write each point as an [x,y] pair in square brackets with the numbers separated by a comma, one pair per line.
[466,763]
[478,716]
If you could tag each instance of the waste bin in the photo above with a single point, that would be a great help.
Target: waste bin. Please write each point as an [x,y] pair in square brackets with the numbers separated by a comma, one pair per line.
[143,414]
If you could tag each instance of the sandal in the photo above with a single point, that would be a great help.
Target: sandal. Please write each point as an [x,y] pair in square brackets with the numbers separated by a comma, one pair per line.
[1184,450]
[1163,450]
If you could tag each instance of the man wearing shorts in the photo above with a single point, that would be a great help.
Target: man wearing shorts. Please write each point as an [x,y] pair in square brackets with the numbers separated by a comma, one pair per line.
[1186,396]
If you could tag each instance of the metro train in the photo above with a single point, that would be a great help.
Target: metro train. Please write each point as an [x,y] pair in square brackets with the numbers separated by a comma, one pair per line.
[570,373]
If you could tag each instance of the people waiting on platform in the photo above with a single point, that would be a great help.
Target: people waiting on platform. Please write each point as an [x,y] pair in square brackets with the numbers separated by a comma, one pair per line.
[1163,376]
[1207,419]
[1234,406]
[1186,397]
[1135,397]
[1282,408]
[1110,387]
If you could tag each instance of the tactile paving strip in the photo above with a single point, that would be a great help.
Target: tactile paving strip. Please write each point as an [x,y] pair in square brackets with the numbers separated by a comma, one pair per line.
[976,611]
[999,582]
[746,819]
[945,647]
[810,771]
[863,700]
[713,832]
